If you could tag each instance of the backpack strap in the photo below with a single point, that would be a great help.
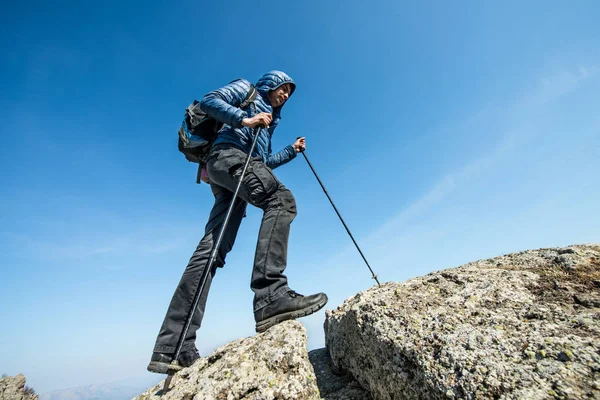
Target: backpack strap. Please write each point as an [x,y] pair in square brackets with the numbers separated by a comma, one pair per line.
[196,115]
[250,97]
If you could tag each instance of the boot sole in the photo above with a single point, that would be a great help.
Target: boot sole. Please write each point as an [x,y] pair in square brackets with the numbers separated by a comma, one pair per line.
[276,319]
[162,368]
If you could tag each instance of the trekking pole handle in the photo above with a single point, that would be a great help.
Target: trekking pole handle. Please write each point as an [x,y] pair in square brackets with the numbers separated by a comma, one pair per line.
[304,148]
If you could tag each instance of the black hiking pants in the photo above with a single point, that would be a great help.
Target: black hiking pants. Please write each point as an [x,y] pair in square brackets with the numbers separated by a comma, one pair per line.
[261,189]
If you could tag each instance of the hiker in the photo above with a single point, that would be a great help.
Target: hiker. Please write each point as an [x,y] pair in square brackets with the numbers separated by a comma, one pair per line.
[274,301]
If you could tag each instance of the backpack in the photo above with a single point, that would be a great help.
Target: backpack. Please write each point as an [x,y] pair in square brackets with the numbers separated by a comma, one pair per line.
[198,131]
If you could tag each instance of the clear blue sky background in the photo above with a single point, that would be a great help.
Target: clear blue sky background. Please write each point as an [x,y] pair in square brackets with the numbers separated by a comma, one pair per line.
[445,132]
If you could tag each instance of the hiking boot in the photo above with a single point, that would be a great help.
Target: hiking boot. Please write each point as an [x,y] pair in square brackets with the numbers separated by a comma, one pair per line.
[292,305]
[161,362]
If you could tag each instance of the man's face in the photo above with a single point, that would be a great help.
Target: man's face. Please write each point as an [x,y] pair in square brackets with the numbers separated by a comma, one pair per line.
[279,96]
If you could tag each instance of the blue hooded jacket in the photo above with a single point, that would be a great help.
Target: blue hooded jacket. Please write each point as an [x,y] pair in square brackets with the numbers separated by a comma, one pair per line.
[222,104]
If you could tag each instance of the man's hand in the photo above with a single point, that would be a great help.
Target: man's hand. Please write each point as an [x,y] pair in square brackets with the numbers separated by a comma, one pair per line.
[262,120]
[300,144]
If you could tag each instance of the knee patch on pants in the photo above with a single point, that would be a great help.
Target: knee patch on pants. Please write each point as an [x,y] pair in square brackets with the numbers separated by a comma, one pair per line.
[287,200]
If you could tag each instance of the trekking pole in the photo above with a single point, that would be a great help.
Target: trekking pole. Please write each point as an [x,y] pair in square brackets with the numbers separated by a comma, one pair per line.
[174,366]
[339,215]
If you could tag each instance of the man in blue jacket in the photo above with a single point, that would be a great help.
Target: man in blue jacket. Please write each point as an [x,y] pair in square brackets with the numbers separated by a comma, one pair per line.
[274,301]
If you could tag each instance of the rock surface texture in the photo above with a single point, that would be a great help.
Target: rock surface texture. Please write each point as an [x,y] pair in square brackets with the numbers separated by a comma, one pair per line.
[520,326]
[271,365]
[332,386]
[13,388]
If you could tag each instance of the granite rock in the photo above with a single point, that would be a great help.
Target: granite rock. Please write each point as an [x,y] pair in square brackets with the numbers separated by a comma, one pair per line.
[523,325]
[271,365]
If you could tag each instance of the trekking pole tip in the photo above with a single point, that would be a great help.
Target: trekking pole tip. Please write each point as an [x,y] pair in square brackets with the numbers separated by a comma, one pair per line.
[173,367]
[167,383]
[376,280]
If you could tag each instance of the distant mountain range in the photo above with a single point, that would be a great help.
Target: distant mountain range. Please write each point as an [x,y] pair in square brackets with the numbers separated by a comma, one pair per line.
[121,390]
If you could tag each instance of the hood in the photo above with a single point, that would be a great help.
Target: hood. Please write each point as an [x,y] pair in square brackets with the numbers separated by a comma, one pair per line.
[271,81]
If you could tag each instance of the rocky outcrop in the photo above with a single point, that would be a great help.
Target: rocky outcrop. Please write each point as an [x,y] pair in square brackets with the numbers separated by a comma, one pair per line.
[271,365]
[520,326]
[13,388]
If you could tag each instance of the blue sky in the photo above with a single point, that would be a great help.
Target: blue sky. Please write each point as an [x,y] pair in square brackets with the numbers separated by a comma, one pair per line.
[445,133]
